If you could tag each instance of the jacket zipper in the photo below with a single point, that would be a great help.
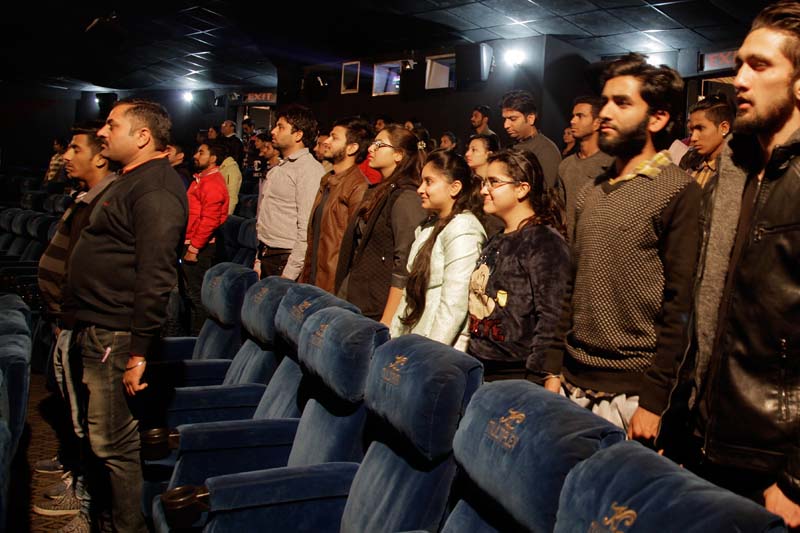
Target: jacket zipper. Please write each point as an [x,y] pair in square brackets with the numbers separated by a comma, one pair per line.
[717,362]
[760,231]
[783,396]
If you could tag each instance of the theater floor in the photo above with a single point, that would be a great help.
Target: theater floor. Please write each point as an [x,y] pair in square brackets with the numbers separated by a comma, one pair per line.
[26,486]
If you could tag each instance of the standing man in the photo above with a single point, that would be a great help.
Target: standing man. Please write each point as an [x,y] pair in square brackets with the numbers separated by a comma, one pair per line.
[581,168]
[479,120]
[120,273]
[208,209]
[710,121]
[337,200]
[234,143]
[747,321]
[519,120]
[287,196]
[635,246]
[249,149]
[83,162]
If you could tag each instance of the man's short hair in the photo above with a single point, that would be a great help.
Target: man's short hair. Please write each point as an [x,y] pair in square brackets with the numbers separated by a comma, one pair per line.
[301,118]
[153,116]
[264,137]
[661,88]
[248,122]
[521,101]
[90,129]
[360,132]
[783,16]
[717,109]
[178,148]
[595,101]
[483,110]
[219,149]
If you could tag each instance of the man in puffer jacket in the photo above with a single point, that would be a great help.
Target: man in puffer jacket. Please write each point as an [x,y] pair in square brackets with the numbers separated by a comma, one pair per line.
[208,209]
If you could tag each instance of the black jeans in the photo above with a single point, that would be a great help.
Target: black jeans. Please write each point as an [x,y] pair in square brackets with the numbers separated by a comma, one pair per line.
[273,260]
[194,281]
[111,426]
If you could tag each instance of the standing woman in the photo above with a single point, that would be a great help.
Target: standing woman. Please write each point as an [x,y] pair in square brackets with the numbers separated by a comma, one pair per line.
[443,255]
[372,269]
[517,289]
[478,151]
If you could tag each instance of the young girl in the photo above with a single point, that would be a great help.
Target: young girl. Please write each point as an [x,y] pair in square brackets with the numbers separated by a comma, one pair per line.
[517,290]
[443,255]
[372,261]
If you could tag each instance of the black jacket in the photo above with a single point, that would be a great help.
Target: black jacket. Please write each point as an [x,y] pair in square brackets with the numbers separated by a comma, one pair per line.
[751,391]
[123,267]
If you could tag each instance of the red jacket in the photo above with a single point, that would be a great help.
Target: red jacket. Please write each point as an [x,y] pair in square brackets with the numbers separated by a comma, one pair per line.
[208,206]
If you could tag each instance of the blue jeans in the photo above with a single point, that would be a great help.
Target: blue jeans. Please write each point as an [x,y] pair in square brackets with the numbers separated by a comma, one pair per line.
[112,428]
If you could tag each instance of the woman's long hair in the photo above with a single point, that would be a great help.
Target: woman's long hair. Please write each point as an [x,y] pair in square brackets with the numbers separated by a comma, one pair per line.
[524,167]
[408,169]
[455,168]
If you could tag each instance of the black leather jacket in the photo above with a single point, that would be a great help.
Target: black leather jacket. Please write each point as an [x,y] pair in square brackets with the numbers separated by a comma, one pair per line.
[753,381]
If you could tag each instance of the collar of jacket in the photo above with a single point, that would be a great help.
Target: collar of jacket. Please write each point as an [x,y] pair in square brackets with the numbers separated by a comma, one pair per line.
[206,172]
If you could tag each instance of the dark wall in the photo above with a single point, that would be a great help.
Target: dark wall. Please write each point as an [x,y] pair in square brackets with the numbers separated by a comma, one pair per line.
[552,71]
[30,117]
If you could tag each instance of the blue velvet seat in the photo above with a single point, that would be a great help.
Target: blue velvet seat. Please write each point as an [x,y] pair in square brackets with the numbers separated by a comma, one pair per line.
[417,390]
[514,448]
[15,364]
[633,489]
[282,397]
[335,348]
[247,243]
[224,286]
[5,450]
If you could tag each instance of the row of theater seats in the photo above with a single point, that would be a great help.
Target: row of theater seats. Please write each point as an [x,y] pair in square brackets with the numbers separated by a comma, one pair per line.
[15,358]
[320,422]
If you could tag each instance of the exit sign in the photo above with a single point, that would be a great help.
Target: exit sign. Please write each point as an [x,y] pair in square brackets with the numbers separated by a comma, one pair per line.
[720,60]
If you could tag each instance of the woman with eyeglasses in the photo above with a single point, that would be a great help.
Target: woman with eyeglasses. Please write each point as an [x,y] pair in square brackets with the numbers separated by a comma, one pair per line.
[434,302]
[372,261]
[518,286]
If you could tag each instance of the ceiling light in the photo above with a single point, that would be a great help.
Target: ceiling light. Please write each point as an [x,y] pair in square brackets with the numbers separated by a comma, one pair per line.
[514,57]
[96,100]
[187,96]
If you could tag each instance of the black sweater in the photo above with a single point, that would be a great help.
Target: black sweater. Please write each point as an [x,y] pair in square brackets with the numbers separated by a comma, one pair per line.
[124,265]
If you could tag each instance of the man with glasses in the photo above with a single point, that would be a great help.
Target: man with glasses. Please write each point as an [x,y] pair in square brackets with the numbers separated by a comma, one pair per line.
[635,247]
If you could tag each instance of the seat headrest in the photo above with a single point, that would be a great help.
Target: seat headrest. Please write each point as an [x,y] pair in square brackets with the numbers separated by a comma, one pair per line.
[224,285]
[336,345]
[261,305]
[518,441]
[630,485]
[299,303]
[247,234]
[421,388]
[20,223]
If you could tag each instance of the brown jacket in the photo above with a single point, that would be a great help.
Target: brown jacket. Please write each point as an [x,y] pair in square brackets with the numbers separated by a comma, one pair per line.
[339,196]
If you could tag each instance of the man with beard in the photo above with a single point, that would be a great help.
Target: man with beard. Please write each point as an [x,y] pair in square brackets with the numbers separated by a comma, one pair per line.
[581,168]
[745,420]
[479,120]
[287,196]
[337,200]
[635,252]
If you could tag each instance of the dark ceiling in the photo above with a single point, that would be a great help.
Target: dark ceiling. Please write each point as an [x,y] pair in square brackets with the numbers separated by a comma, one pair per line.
[202,44]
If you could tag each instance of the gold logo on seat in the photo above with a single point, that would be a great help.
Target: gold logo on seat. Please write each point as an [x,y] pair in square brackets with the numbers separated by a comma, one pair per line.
[261,294]
[621,517]
[298,311]
[391,372]
[319,335]
[503,430]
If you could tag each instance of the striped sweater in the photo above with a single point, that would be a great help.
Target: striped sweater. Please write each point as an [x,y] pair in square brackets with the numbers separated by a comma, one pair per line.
[53,263]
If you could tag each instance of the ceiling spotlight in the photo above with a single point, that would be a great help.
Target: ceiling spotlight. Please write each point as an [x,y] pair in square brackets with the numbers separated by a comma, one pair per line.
[96,100]
[187,96]
[514,57]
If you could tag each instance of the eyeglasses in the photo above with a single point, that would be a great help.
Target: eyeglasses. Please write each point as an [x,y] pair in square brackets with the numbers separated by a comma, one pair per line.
[494,183]
[380,144]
